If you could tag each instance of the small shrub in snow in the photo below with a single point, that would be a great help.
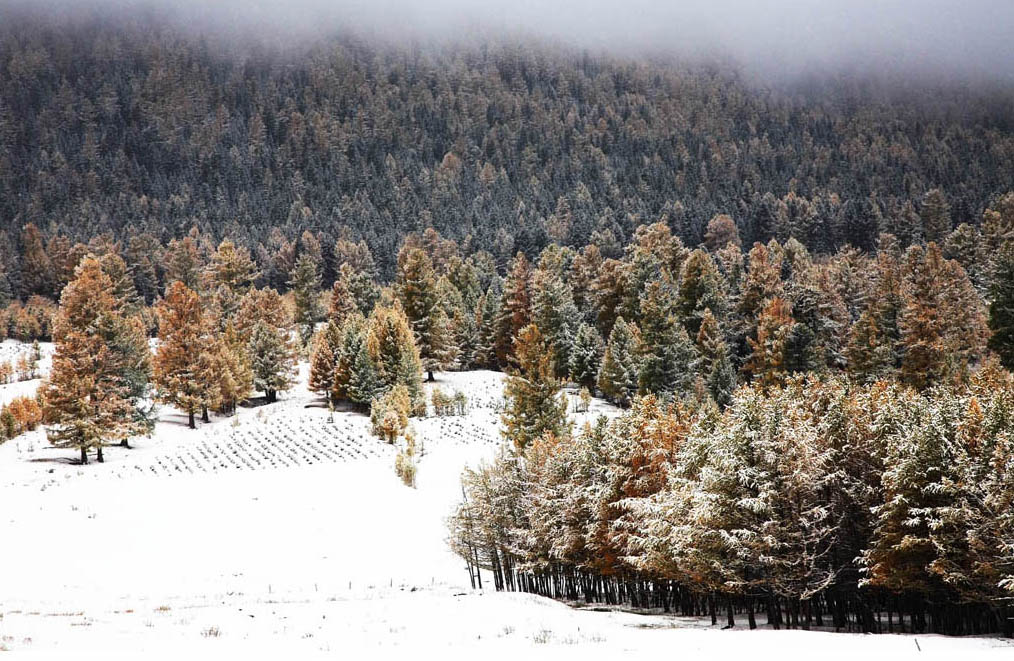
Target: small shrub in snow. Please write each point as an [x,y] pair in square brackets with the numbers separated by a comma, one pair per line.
[389,414]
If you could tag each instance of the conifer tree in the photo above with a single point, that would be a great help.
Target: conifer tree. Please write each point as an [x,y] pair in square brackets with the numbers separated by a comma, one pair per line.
[534,406]
[37,273]
[515,307]
[488,352]
[417,291]
[936,216]
[715,363]
[667,356]
[700,288]
[554,312]
[229,274]
[618,374]
[351,337]
[870,355]
[586,356]
[185,361]
[323,357]
[766,363]
[89,397]
[1001,306]
[342,302]
[272,359]
[392,349]
[305,284]
[185,261]
[235,375]
[364,383]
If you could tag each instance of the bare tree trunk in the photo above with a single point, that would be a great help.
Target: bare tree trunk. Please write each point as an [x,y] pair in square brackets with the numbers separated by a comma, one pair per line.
[84,456]
[100,458]
[192,421]
[204,414]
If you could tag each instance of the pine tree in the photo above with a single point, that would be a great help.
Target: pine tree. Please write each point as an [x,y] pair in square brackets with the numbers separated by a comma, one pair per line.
[556,315]
[90,397]
[700,288]
[1001,306]
[235,374]
[618,374]
[515,307]
[870,355]
[185,361]
[721,232]
[766,363]
[184,261]
[417,291]
[37,273]
[586,355]
[667,356]
[272,359]
[364,383]
[342,303]
[534,406]
[230,274]
[487,353]
[305,283]
[392,349]
[323,357]
[935,215]
[352,336]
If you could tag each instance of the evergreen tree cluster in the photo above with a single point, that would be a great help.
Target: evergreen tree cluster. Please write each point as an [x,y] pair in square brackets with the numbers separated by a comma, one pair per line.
[139,128]
[821,502]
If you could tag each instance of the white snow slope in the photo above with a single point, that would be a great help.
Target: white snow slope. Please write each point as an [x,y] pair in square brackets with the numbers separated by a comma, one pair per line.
[279,534]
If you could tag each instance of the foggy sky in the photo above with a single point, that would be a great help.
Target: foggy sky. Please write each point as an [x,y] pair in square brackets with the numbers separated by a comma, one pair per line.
[973,38]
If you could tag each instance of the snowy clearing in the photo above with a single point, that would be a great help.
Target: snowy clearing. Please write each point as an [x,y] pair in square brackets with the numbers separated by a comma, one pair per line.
[279,532]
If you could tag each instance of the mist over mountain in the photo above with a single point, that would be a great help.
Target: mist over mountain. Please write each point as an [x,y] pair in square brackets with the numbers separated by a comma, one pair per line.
[504,125]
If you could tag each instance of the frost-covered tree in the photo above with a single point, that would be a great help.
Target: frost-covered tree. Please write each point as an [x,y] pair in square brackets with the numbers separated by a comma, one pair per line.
[532,390]
[586,355]
[618,374]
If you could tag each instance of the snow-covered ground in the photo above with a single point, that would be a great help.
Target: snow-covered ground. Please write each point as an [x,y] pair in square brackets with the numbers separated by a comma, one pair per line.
[278,533]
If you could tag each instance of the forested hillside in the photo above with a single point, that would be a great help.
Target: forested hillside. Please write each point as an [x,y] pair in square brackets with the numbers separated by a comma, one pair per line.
[141,128]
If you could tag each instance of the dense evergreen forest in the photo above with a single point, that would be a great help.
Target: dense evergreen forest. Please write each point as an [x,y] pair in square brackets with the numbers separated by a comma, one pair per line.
[140,127]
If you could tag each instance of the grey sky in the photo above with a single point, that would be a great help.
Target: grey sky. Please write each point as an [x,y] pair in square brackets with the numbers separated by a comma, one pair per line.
[963,37]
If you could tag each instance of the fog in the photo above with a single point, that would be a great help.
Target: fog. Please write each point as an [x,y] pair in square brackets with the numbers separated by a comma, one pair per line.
[970,38]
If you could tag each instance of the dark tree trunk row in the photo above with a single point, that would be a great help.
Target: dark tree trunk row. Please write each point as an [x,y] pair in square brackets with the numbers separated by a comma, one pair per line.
[841,608]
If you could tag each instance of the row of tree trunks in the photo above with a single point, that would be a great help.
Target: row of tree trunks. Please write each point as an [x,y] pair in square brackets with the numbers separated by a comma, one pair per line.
[842,609]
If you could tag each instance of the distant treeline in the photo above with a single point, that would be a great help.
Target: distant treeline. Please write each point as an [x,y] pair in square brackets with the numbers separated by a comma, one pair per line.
[144,130]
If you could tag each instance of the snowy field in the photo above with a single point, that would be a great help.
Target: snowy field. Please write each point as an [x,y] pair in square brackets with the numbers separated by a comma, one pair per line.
[280,534]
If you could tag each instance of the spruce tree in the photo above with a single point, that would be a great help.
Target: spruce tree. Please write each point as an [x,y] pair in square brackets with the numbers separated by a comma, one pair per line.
[618,375]
[534,406]
[417,290]
[586,356]
[554,312]
[272,359]
[305,284]
[1001,305]
[364,383]
[667,355]
[487,353]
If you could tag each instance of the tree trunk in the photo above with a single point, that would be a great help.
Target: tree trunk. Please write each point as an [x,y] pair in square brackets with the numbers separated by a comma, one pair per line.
[99,456]
[272,396]
[84,456]
[204,414]
[429,375]
[125,443]
[192,422]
